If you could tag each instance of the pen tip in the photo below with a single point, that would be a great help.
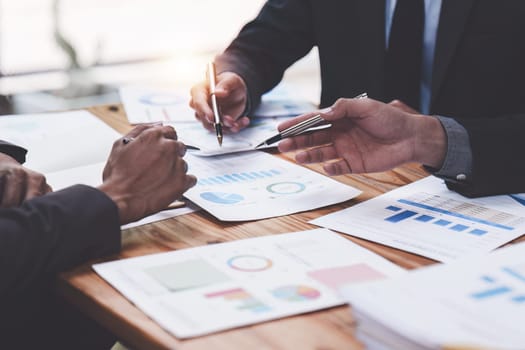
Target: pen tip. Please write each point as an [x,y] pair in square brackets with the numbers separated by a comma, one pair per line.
[259,145]
[218,132]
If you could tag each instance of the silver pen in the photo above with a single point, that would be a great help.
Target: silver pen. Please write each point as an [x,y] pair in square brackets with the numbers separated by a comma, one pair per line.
[299,127]
[215,107]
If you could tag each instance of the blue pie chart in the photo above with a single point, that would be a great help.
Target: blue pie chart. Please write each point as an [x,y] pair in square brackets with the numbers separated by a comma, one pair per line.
[221,197]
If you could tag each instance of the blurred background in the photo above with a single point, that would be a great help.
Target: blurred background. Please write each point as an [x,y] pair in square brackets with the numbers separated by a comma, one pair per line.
[63,54]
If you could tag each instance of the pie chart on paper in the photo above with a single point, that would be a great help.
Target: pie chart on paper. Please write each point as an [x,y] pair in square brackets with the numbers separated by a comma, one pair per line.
[222,197]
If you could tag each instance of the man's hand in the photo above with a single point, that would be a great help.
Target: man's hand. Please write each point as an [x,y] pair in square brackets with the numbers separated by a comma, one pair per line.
[369,136]
[403,106]
[232,96]
[18,184]
[147,173]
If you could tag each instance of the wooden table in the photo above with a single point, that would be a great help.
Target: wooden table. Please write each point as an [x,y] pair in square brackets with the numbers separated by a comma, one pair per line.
[328,329]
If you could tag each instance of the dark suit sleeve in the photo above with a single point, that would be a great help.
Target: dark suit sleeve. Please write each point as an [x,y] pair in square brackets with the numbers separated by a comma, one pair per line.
[280,35]
[52,233]
[498,164]
[14,151]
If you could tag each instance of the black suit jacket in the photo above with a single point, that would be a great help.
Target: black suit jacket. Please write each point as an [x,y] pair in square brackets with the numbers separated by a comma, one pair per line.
[42,237]
[51,233]
[497,156]
[479,64]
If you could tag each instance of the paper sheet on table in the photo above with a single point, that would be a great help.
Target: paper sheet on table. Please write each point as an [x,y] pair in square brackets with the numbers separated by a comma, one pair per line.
[57,141]
[428,219]
[194,134]
[257,185]
[196,291]
[68,148]
[147,105]
[281,102]
[474,303]
[91,175]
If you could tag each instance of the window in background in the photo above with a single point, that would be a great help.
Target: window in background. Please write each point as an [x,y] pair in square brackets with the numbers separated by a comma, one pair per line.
[116,42]
[114,31]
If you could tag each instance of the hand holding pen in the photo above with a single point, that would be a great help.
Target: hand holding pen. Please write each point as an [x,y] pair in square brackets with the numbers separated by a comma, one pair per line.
[366,136]
[217,122]
[300,127]
[231,94]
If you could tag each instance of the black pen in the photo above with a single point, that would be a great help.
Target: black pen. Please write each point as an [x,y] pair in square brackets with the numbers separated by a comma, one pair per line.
[299,127]
[215,107]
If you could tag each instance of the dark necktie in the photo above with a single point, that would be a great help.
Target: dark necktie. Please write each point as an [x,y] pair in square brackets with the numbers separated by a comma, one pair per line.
[405,52]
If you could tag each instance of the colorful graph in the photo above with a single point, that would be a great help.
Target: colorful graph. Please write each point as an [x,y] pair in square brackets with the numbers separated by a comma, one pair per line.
[238,177]
[286,187]
[250,263]
[494,288]
[445,212]
[296,293]
[244,301]
[222,198]
[463,210]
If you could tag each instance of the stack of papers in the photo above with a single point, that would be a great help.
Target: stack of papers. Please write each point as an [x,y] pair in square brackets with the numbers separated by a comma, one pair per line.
[196,291]
[477,303]
[426,218]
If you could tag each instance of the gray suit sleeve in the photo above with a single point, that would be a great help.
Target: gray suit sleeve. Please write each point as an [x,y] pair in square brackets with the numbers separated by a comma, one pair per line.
[457,167]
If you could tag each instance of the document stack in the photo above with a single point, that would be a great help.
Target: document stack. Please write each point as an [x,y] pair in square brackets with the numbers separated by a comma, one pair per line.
[475,303]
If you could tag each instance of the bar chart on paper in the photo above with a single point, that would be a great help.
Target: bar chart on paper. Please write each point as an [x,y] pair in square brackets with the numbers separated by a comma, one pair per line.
[507,284]
[452,214]
[256,185]
[478,301]
[428,220]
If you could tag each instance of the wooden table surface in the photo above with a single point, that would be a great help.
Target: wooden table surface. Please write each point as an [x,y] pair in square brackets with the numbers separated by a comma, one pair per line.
[327,329]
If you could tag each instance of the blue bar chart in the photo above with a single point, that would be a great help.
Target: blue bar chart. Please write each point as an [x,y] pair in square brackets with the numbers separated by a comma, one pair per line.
[447,213]
[426,218]
[402,215]
[507,282]
[232,178]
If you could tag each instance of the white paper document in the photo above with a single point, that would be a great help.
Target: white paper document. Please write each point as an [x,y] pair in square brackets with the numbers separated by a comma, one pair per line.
[58,141]
[282,102]
[428,219]
[147,105]
[195,135]
[475,303]
[256,185]
[196,291]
